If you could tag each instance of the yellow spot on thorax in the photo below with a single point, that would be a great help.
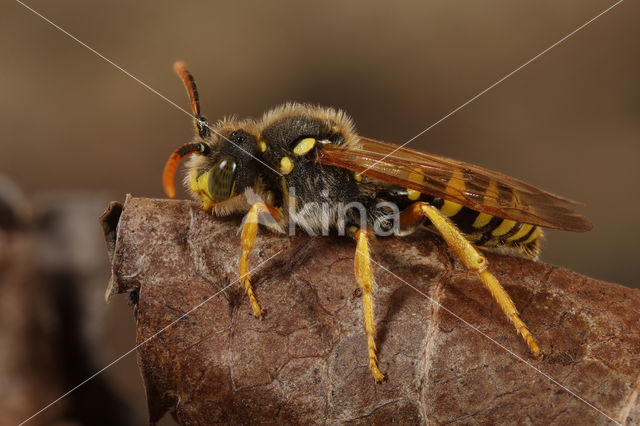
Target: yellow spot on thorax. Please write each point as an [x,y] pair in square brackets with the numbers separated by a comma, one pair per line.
[357,177]
[286,165]
[304,146]
[263,145]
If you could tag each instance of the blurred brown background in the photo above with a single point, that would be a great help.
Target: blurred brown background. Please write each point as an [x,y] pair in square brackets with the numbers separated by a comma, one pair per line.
[567,122]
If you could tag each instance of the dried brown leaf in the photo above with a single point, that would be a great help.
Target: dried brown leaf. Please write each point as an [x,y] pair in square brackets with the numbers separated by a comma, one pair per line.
[305,362]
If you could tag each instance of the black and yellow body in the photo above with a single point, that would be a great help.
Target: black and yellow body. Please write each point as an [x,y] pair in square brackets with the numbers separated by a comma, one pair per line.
[303,167]
[294,140]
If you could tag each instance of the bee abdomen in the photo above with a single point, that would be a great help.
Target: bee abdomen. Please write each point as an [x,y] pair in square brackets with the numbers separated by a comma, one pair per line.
[485,230]
[482,229]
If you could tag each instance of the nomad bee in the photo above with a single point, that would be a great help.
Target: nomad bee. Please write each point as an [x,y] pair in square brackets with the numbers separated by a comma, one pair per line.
[304,166]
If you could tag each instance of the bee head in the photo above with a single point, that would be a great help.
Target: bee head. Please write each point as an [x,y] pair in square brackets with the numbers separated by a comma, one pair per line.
[222,163]
[225,168]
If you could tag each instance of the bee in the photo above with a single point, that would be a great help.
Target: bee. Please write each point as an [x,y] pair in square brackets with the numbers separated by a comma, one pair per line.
[304,166]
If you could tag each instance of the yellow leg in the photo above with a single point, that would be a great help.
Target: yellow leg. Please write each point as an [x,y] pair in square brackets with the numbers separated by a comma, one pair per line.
[474,261]
[364,276]
[248,237]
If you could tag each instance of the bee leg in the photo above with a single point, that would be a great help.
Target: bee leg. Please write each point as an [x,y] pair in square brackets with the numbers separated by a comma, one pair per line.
[473,260]
[364,276]
[248,237]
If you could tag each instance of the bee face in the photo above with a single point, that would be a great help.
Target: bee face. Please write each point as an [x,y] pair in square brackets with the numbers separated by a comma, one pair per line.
[225,166]
[225,161]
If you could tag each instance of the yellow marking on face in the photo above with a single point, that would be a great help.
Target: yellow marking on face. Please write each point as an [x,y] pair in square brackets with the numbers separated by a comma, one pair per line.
[336,129]
[200,186]
[505,226]
[482,220]
[524,230]
[207,203]
[286,165]
[202,182]
[304,146]
[193,181]
[534,235]
[263,145]
[412,194]
[449,208]
[202,179]
[358,177]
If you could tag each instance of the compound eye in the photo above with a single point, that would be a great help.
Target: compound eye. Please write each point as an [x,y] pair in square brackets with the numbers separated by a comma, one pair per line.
[222,179]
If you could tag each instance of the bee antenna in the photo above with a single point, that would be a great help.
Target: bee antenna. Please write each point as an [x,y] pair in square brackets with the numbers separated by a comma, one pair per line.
[173,162]
[181,69]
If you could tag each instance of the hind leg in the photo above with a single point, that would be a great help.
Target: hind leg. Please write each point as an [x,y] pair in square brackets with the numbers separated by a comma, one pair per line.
[473,260]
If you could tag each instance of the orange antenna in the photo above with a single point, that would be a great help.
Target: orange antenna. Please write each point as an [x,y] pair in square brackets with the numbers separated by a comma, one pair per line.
[173,162]
[189,83]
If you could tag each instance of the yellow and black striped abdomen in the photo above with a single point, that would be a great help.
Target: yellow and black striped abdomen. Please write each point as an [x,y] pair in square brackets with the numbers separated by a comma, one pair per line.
[488,231]
[482,229]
